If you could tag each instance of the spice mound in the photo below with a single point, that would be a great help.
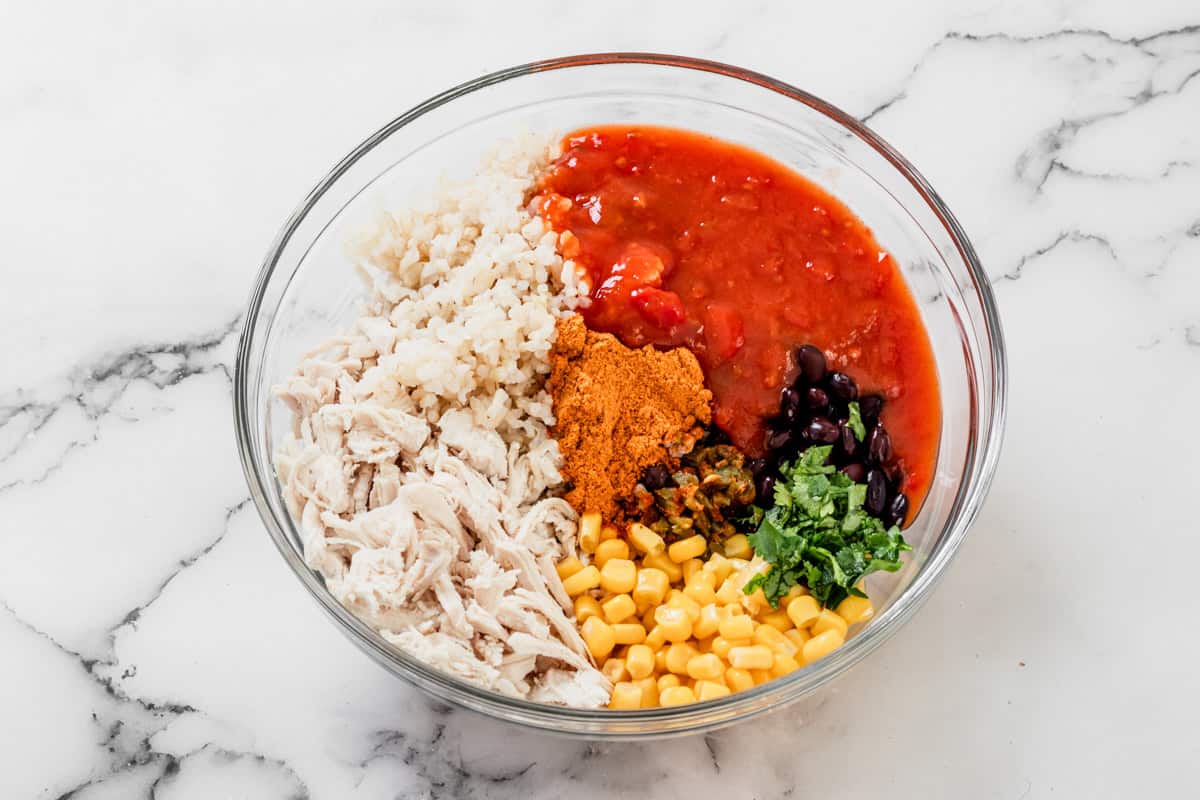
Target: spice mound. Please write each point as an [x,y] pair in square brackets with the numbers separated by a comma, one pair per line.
[620,410]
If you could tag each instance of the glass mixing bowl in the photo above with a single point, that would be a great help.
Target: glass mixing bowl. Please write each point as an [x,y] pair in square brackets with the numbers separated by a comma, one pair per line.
[307,292]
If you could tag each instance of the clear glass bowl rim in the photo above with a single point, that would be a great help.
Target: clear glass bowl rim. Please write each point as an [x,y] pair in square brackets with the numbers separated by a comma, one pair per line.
[982,456]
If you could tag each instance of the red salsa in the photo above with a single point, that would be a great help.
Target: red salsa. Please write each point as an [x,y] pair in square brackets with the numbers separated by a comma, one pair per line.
[689,240]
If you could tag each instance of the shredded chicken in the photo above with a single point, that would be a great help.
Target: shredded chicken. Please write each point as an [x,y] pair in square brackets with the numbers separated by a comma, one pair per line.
[419,465]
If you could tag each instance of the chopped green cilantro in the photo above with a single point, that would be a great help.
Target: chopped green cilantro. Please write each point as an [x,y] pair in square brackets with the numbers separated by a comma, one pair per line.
[855,422]
[818,534]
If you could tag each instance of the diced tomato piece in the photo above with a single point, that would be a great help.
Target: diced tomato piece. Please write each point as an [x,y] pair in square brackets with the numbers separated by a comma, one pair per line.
[663,309]
[723,331]
[641,265]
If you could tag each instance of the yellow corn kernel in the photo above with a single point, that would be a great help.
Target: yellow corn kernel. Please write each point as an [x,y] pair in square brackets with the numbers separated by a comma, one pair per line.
[719,567]
[691,547]
[608,532]
[736,627]
[647,616]
[721,646]
[676,696]
[855,610]
[618,575]
[656,638]
[614,670]
[760,676]
[778,619]
[822,645]
[755,602]
[598,635]
[792,594]
[586,606]
[784,664]
[796,637]
[628,632]
[828,621]
[678,656]
[626,695]
[708,622]
[681,600]
[803,610]
[710,690]
[589,531]
[738,546]
[733,609]
[705,666]
[660,659]
[645,540]
[738,680]
[568,567]
[703,645]
[580,582]
[667,681]
[675,623]
[652,585]
[649,691]
[662,562]
[691,568]
[775,641]
[701,578]
[646,611]
[731,589]
[755,656]
[618,608]
[701,592]
[610,548]
[639,661]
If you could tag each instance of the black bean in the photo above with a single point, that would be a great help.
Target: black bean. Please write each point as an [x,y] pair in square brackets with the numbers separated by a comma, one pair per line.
[816,399]
[842,387]
[655,477]
[777,440]
[870,406]
[789,404]
[766,489]
[876,493]
[898,509]
[879,445]
[893,473]
[848,443]
[855,472]
[822,430]
[758,467]
[811,362]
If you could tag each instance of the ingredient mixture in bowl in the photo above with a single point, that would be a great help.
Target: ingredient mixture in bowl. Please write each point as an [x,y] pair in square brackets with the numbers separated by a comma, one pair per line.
[625,422]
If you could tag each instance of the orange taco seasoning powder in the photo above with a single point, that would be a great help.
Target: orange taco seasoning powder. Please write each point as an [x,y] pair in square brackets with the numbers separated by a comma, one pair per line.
[620,410]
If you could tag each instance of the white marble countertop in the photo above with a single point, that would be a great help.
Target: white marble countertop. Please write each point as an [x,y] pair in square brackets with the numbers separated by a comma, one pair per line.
[154,644]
